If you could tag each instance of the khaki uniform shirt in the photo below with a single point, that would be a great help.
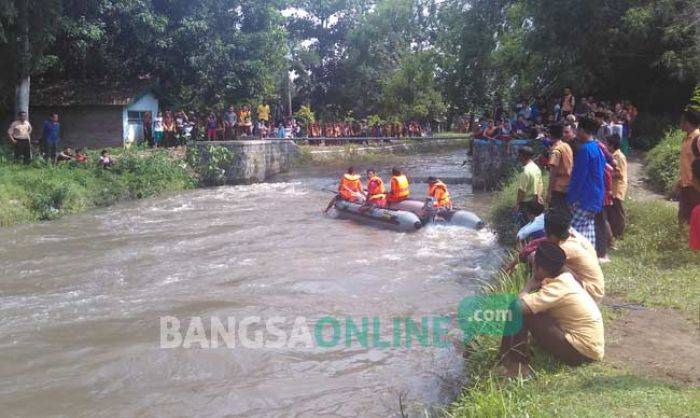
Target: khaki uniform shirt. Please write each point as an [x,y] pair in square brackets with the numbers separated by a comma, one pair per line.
[20,130]
[574,310]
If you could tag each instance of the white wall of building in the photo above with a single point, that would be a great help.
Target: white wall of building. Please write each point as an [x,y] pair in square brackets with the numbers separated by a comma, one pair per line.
[134,131]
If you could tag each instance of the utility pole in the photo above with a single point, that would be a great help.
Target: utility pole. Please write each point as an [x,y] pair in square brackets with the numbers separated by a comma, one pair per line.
[25,54]
[289,94]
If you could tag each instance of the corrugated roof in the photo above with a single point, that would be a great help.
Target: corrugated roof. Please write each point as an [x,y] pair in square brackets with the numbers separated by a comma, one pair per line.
[89,93]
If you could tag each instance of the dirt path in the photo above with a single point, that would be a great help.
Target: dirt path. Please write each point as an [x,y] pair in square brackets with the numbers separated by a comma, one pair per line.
[639,188]
[655,342]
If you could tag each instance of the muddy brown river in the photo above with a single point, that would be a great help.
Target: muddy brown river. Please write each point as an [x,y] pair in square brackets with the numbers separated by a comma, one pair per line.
[81,302]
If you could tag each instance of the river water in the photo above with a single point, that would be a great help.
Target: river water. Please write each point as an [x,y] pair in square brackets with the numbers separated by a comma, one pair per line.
[81,302]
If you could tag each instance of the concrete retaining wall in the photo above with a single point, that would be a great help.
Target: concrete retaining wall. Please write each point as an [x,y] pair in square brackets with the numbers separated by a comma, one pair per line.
[253,161]
[492,161]
[321,153]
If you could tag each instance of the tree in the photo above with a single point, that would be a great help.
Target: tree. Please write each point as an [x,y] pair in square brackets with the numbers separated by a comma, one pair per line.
[25,36]
[411,91]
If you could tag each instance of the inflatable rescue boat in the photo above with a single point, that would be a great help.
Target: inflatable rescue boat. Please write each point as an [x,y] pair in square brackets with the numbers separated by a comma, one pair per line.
[454,217]
[398,220]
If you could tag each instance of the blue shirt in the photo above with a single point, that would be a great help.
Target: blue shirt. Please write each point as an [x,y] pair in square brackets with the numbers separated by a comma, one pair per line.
[587,186]
[51,131]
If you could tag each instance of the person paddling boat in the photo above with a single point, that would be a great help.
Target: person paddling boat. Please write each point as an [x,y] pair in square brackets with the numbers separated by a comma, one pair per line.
[350,189]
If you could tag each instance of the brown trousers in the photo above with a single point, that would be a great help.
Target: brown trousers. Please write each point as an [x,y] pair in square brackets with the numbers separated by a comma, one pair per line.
[559,201]
[547,334]
[617,218]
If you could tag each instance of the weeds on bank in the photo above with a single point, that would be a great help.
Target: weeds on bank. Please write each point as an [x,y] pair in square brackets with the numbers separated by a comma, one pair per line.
[42,191]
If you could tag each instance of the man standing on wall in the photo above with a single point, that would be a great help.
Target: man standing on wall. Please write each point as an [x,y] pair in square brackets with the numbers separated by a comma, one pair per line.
[50,137]
[230,120]
[20,133]
[264,113]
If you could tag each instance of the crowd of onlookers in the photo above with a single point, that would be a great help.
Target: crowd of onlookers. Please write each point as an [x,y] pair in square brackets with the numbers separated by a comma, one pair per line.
[173,128]
[168,128]
[567,229]
[365,129]
[529,118]
[177,128]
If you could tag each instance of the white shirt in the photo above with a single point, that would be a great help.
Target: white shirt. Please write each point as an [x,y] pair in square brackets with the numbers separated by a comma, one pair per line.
[537,224]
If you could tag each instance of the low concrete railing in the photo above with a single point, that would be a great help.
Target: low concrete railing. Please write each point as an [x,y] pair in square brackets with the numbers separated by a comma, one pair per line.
[493,160]
[253,161]
[363,139]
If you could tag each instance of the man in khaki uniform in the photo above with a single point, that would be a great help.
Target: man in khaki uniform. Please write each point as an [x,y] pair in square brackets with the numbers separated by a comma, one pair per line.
[559,313]
[561,162]
[20,134]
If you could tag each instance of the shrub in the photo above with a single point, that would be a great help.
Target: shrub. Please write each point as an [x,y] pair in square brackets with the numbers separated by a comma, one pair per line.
[305,116]
[648,130]
[213,165]
[662,162]
[502,220]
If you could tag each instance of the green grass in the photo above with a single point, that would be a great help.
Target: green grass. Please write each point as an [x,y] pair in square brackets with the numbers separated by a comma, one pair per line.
[653,266]
[595,390]
[41,191]
[501,219]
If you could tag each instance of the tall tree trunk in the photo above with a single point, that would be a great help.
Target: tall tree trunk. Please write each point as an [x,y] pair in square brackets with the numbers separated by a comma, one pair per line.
[22,95]
[25,54]
[289,93]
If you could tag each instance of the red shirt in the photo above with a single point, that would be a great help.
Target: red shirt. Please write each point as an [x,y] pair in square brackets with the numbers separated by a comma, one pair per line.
[530,248]
[694,239]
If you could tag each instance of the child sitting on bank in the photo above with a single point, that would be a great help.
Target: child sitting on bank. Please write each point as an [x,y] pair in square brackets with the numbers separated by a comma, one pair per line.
[81,156]
[105,160]
[65,155]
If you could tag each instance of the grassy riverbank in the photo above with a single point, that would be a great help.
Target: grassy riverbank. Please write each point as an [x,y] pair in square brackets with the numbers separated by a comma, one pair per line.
[652,266]
[41,191]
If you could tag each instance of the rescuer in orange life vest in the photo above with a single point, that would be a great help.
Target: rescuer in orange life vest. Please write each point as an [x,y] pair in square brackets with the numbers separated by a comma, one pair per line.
[399,187]
[350,189]
[376,194]
[438,191]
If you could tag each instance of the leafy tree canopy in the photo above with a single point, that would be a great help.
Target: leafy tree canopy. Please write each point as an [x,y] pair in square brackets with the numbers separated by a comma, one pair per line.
[387,58]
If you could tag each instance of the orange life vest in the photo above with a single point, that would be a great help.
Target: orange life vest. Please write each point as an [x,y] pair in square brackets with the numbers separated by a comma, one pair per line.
[399,189]
[349,184]
[438,191]
[375,190]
